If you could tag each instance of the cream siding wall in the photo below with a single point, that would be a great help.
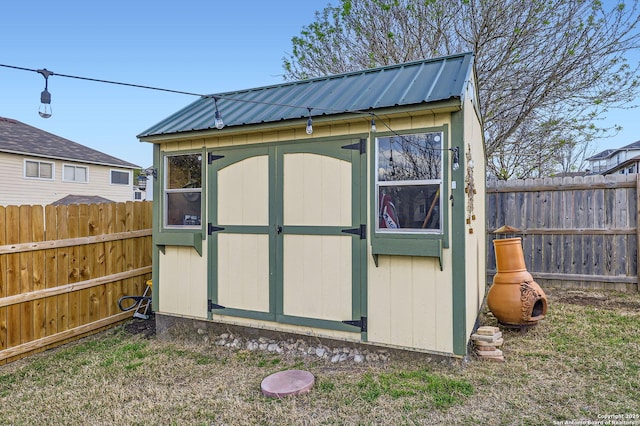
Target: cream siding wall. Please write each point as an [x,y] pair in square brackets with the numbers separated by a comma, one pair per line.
[183,282]
[18,190]
[409,298]
[410,301]
[310,288]
[242,284]
[475,256]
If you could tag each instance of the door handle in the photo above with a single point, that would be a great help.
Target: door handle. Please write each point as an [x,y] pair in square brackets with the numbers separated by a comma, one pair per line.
[278,229]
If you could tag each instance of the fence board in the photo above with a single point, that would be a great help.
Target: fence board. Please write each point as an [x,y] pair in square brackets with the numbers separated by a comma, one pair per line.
[61,274]
[3,280]
[14,313]
[51,271]
[87,297]
[73,309]
[110,266]
[572,228]
[62,221]
[39,275]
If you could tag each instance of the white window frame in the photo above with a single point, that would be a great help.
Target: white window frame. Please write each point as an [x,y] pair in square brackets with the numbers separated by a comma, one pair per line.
[75,166]
[53,169]
[168,191]
[379,184]
[120,171]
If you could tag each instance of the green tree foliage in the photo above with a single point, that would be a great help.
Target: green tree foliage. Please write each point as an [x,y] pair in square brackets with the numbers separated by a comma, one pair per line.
[547,70]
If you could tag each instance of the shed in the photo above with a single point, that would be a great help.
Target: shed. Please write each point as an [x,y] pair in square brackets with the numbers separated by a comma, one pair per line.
[348,207]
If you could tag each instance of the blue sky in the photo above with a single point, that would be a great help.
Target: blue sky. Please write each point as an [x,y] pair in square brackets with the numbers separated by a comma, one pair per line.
[195,46]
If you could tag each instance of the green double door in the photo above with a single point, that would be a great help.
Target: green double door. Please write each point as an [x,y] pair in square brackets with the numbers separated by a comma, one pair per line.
[286,242]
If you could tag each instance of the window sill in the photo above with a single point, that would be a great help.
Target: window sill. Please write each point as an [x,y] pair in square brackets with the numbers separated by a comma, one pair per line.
[425,247]
[181,238]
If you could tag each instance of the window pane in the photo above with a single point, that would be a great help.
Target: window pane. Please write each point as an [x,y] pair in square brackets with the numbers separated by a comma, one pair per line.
[68,173]
[184,171]
[31,169]
[409,207]
[46,171]
[81,174]
[121,178]
[183,208]
[410,157]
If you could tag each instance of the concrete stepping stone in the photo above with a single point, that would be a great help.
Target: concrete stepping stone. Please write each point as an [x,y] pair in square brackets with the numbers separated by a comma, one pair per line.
[287,383]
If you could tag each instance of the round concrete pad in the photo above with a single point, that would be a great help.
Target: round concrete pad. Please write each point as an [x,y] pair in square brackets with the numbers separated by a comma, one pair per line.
[286,383]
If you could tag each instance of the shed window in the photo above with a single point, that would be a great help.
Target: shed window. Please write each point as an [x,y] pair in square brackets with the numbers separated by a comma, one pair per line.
[38,169]
[120,178]
[408,183]
[74,173]
[183,191]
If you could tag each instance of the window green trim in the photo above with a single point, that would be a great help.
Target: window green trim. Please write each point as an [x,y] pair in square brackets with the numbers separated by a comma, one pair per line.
[243,313]
[412,243]
[458,243]
[431,247]
[155,225]
[180,238]
[175,235]
[317,323]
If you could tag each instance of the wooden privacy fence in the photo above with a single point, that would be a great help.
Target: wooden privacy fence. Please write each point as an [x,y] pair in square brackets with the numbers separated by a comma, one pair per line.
[63,269]
[579,232]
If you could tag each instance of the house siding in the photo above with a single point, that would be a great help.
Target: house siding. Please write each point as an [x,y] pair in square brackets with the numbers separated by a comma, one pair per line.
[18,190]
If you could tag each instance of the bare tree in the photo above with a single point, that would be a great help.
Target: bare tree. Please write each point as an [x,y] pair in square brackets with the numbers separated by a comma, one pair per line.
[547,69]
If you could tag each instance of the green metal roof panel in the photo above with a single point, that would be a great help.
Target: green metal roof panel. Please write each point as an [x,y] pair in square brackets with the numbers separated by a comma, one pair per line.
[406,84]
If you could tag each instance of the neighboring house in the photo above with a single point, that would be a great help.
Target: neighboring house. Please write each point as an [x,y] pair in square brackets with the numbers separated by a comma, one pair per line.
[298,216]
[37,167]
[625,160]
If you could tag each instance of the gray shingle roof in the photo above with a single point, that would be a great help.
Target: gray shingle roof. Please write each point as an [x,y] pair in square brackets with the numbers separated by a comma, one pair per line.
[80,199]
[411,83]
[608,153]
[19,138]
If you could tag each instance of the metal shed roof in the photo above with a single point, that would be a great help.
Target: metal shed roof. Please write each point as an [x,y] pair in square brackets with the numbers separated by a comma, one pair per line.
[411,83]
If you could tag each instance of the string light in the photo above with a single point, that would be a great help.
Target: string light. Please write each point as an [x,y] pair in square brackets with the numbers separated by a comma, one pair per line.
[45,97]
[218,118]
[455,161]
[45,108]
[309,123]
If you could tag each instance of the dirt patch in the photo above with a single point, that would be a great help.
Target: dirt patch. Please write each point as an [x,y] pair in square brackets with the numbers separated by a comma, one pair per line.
[617,301]
[146,328]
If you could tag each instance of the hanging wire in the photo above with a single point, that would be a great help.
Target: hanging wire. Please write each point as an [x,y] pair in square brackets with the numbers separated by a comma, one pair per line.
[219,124]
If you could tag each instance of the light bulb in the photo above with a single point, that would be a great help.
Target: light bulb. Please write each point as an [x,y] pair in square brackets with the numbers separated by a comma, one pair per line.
[45,106]
[456,158]
[309,126]
[373,125]
[218,120]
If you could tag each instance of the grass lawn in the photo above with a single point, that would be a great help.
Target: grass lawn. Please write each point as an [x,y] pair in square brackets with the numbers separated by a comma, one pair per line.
[581,363]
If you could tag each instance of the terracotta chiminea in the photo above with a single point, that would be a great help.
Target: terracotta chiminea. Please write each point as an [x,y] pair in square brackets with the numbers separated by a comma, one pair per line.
[514,298]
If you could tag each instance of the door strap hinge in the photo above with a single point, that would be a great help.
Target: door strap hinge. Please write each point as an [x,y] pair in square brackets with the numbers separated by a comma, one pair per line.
[211,229]
[361,323]
[361,231]
[213,306]
[211,158]
[360,146]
